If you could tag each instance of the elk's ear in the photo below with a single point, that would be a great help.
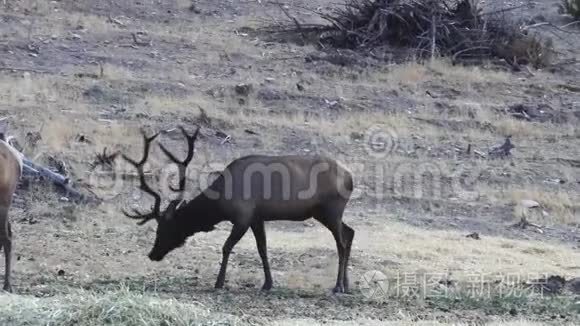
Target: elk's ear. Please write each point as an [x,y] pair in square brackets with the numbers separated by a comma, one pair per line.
[181,204]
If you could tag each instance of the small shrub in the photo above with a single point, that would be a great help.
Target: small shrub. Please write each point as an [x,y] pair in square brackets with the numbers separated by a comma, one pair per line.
[459,30]
[572,8]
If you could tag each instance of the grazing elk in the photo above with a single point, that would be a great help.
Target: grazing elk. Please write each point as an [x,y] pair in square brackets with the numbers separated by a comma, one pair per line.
[249,191]
[10,172]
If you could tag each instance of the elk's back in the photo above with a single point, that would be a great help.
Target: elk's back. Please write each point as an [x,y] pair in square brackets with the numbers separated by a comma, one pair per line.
[290,186]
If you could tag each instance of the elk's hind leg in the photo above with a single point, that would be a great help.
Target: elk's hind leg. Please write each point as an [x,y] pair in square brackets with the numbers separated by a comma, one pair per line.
[8,265]
[6,244]
[6,268]
[348,236]
[260,235]
[331,217]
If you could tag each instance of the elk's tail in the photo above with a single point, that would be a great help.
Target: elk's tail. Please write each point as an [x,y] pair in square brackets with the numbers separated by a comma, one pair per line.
[346,176]
[348,182]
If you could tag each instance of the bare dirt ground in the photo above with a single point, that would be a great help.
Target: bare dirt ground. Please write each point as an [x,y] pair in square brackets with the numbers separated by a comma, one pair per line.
[73,81]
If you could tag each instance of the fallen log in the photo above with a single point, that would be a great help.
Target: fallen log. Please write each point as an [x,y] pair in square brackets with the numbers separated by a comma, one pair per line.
[58,180]
[35,170]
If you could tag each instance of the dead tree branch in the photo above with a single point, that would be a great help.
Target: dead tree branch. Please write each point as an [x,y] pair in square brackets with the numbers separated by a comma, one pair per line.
[294,20]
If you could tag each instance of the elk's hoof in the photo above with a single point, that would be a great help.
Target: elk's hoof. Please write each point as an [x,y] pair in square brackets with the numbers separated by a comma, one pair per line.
[338,289]
[267,287]
[219,285]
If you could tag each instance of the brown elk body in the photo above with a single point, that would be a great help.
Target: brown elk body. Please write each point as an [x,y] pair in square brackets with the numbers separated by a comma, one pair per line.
[10,172]
[249,191]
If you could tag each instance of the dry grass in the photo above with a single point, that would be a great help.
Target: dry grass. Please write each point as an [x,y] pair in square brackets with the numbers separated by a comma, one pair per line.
[117,73]
[561,207]
[26,90]
[44,20]
[411,250]
[394,124]
[53,92]
[451,252]
[415,75]
[518,128]
[122,308]
[56,107]
[466,75]
[154,105]
[556,207]
[409,74]
[38,7]
[128,308]
[60,133]
[403,322]
[346,123]
[43,97]
[47,22]
[97,25]
[56,136]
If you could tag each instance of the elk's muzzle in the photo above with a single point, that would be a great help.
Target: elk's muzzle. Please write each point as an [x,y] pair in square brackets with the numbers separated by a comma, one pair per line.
[155,256]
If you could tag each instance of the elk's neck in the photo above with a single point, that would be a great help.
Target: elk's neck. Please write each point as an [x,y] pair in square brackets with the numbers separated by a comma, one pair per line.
[201,214]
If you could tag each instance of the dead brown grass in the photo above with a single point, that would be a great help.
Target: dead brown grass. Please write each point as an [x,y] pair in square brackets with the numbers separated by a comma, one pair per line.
[55,106]
[404,321]
[559,207]
[124,307]
[517,128]
[556,206]
[411,250]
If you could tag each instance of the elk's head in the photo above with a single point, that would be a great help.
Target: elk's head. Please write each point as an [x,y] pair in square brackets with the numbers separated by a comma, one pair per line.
[170,234]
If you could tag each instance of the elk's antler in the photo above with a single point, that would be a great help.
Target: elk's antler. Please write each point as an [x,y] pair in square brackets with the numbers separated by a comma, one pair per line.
[182,165]
[156,213]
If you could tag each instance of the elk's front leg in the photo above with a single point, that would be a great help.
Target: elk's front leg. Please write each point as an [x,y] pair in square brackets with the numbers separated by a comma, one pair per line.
[260,235]
[237,233]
